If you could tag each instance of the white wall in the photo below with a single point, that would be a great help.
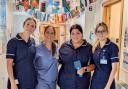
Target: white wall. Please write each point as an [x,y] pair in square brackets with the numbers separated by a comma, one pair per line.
[76,20]
[17,26]
[92,18]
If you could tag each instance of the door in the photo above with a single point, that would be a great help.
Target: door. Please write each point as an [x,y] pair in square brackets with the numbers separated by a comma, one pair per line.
[112,16]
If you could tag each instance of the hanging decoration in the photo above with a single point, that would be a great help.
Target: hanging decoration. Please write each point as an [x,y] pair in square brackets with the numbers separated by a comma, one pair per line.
[34,3]
[26,5]
[66,5]
[43,7]
[82,6]
[31,11]
[88,2]
[53,11]
[55,7]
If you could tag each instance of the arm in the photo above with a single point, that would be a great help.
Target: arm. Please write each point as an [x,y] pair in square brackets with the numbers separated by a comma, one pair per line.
[10,55]
[112,75]
[10,69]
[86,69]
[91,64]
[89,67]
[10,73]
[114,60]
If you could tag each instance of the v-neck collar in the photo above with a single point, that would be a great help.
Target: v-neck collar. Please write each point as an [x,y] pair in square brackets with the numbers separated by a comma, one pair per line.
[18,37]
[71,45]
[108,42]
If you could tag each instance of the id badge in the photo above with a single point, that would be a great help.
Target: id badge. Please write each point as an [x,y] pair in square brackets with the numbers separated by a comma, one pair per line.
[103,61]
[77,64]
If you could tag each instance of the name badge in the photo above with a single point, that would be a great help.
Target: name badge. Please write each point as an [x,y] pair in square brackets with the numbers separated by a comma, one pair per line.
[103,61]
[77,64]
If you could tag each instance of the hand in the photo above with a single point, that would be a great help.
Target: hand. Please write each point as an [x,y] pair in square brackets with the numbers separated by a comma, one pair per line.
[107,87]
[81,71]
[13,85]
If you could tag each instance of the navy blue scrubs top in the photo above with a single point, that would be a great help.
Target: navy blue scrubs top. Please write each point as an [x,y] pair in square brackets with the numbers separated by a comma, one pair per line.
[23,55]
[68,78]
[103,69]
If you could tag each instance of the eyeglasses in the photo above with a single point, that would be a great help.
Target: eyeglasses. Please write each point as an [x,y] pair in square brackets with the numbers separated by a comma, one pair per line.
[50,33]
[98,32]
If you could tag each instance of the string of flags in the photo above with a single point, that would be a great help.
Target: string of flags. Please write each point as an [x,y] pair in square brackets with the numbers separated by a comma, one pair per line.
[54,11]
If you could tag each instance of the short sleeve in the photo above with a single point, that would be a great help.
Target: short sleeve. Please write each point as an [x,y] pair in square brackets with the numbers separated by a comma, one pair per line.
[114,53]
[11,49]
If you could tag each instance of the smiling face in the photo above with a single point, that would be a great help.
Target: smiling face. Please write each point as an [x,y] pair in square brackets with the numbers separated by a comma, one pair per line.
[49,34]
[101,33]
[76,36]
[29,26]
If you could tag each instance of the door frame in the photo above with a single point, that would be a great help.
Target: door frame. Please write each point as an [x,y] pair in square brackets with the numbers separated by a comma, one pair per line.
[106,18]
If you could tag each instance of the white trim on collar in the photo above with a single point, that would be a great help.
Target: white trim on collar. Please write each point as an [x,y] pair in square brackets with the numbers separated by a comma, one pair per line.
[69,43]
[18,38]
[108,43]
[84,45]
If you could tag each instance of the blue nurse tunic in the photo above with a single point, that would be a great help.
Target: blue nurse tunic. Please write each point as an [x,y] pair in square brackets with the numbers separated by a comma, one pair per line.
[68,78]
[23,55]
[103,68]
[46,67]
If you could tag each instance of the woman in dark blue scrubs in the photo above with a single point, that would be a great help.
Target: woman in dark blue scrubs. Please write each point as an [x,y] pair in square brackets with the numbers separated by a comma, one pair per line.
[46,60]
[106,60]
[20,55]
[76,60]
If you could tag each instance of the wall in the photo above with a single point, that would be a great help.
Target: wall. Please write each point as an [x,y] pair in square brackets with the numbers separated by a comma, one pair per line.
[76,20]
[3,73]
[124,48]
[92,18]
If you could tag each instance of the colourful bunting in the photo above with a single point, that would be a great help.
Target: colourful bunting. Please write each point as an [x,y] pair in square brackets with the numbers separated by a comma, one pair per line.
[82,6]
[56,17]
[66,6]
[35,3]
[31,11]
[26,5]
[42,7]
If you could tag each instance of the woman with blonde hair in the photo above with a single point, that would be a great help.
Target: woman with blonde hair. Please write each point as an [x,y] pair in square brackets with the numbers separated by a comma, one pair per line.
[105,56]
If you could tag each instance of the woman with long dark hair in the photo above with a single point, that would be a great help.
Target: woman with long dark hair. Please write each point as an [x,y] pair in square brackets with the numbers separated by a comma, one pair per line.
[46,60]
[77,62]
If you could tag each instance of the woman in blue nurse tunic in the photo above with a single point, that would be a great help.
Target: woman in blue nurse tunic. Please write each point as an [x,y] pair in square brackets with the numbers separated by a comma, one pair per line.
[20,55]
[77,62]
[46,61]
[105,58]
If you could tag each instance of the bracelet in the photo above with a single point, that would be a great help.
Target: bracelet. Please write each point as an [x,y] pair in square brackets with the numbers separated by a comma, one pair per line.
[85,70]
